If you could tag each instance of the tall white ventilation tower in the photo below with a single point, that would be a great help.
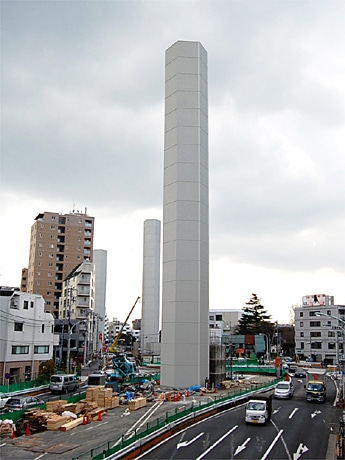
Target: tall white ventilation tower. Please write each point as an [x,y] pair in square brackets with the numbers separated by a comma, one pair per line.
[185,295]
[149,335]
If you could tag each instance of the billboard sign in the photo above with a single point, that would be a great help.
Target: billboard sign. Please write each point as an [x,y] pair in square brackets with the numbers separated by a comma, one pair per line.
[314,300]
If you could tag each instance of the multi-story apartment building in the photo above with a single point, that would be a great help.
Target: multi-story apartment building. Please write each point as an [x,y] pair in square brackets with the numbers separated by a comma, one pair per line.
[59,242]
[77,307]
[320,329]
[26,335]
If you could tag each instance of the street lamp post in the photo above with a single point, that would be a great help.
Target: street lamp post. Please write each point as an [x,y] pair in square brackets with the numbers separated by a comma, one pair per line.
[343,331]
[69,344]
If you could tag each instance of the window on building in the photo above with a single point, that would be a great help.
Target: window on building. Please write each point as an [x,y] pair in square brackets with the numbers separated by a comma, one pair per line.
[52,227]
[51,246]
[301,324]
[25,304]
[313,313]
[41,349]
[302,334]
[302,345]
[331,334]
[14,303]
[32,303]
[52,237]
[53,217]
[316,345]
[331,346]
[42,328]
[20,349]
[301,314]
[27,375]
[50,283]
[341,311]
[219,317]
[315,334]
[315,324]
[19,327]
[50,274]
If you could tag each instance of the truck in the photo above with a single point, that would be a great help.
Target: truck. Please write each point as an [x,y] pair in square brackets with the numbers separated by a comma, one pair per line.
[258,409]
[315,388]
[95,380]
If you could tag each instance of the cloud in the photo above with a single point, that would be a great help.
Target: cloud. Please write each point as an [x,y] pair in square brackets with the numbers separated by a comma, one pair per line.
[83,124]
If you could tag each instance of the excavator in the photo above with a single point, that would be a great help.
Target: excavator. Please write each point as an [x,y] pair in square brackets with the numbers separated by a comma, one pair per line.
[123,368]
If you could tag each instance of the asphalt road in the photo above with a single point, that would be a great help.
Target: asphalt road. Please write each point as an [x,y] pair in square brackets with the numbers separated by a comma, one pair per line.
[297,430]
[295,417]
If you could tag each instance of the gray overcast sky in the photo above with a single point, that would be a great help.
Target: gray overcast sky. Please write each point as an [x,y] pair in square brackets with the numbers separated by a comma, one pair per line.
[82,126]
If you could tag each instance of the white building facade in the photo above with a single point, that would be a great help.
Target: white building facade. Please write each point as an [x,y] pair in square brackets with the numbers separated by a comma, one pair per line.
[27,335]
[77,308]
[320,330]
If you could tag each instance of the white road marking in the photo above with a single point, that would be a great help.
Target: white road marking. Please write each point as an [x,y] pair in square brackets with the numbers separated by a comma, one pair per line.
[187,443]
[300,450]
[242,447]
[272,445]
[216,443]
[293,412]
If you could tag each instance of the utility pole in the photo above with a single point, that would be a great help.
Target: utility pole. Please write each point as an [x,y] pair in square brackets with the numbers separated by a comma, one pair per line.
[70,299]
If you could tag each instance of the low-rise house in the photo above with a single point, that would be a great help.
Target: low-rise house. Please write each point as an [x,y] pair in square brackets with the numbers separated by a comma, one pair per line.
[26,334]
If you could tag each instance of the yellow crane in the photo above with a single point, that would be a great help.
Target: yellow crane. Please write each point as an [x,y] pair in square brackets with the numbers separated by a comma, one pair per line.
[113,346]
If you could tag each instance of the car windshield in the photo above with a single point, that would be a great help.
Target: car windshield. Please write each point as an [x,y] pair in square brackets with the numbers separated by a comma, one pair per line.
[14,401]
[314,386]
[283,386]
[55,378]
[256,405]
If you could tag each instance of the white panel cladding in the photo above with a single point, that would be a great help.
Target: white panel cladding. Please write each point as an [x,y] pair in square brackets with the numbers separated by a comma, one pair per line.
[184,355]
[151,283]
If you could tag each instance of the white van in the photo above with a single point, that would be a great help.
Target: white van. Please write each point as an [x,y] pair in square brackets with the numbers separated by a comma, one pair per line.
[63,383]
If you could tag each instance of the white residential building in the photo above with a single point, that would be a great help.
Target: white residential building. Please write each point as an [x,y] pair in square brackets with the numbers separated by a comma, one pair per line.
[76,307]
[320,329]
[26,334]
[223,321]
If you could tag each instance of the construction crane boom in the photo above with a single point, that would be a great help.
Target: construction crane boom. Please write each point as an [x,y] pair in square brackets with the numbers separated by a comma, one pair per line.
[113,346]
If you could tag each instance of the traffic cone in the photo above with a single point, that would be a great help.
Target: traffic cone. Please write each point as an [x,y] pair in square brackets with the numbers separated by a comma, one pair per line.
[85,420]
[287,378]
[187,394]
[99,418]
[12,433]
[27,430]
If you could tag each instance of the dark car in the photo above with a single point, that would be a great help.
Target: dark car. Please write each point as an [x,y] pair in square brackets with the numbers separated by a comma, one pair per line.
[300,373]
[23,402]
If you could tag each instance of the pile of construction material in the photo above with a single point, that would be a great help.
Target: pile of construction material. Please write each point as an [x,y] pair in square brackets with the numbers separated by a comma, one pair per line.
[63,416]
[7,427]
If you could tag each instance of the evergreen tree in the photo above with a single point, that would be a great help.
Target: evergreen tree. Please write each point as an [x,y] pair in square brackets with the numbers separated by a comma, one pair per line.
[255,319]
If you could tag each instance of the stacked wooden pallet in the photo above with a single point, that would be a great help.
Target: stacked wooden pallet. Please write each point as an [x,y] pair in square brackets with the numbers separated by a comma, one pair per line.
[55,422]
[137,403]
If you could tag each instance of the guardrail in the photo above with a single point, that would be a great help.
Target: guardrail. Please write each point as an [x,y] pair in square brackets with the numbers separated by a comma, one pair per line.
[161,426]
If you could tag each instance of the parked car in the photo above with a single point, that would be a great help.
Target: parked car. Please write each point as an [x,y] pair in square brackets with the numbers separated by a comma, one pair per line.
[23,402]
[3,399]
[284,390]
[299,372]
[63,383]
